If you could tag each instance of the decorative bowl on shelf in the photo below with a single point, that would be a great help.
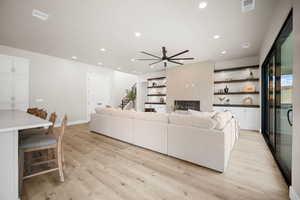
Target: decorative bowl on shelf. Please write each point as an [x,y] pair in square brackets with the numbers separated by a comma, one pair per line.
[249,88]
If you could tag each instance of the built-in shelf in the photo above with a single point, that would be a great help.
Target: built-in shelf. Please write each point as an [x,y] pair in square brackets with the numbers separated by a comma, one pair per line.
[157,86]
[156,103]
[236,105]
[158,78]
[238,80]
[237,68]
[235,93]
[156,95]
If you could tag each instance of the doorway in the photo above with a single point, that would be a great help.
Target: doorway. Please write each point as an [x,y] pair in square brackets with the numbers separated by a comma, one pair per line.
[98,92]
[277,110]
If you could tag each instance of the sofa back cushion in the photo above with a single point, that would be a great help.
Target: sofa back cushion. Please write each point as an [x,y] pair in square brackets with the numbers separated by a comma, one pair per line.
[151,116]
[192,120]
[202,114]
[222,119]
[123,113]
[103,110]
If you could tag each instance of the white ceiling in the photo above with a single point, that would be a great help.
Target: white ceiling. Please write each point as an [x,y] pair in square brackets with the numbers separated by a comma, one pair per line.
[82,27]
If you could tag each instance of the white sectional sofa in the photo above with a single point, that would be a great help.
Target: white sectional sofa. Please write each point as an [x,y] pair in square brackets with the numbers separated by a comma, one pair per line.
[205,139]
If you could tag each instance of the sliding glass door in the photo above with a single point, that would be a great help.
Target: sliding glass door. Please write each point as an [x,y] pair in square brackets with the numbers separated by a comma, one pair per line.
[277,110]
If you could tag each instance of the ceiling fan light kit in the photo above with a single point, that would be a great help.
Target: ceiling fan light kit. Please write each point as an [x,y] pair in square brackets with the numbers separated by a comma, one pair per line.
[164,58]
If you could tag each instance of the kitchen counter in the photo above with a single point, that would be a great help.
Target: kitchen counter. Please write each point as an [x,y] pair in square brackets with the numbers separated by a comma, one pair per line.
[11,121]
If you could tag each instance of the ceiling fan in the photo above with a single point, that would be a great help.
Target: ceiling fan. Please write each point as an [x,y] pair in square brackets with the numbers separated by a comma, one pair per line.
[173,59]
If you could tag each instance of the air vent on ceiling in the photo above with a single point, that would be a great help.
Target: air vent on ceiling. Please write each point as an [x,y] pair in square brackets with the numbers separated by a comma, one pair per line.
[248,5]
[39,14]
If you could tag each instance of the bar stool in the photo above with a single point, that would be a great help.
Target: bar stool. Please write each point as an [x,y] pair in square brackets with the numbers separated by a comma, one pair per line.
[38,143]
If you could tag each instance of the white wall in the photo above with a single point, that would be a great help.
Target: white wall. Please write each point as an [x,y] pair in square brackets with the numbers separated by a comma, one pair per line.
[280,14]
[191,82]
[247,61]
[61,83]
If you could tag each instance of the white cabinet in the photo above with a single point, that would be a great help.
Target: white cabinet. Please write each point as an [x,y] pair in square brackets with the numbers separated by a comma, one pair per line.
[14,83]
[249,118]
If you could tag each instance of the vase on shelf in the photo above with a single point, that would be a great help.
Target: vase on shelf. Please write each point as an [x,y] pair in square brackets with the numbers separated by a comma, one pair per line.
[226,90]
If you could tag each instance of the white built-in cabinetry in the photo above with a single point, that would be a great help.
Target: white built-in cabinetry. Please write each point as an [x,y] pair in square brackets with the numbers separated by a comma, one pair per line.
[14,83]
[248,118]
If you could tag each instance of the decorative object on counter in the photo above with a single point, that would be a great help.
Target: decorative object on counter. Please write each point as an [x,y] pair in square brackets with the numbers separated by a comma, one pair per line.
[221,99]
[248,101]
[226,89]
[154,84]
[249,88]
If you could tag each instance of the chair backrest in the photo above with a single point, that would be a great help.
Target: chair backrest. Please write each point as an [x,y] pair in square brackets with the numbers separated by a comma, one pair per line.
[62,129]
[52,119]
[42,114]
[32,111]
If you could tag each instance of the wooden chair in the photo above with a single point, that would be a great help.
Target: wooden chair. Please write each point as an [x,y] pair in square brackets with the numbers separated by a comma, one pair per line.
[32,111]
[39,143]
[42,114]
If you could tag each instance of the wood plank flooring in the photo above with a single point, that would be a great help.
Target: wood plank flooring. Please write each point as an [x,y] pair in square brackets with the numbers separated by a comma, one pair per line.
[101,168]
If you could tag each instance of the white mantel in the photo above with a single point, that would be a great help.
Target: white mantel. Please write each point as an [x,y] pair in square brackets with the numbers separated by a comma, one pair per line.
[10,122]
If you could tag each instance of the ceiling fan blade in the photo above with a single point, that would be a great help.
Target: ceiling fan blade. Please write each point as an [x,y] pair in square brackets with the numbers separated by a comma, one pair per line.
[178,63]
[147,59]
[182,58]
[164,51]
[149,54]
[179,54]
[155,62]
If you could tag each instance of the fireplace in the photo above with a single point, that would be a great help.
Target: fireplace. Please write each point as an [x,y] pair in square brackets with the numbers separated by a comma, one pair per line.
[185,105]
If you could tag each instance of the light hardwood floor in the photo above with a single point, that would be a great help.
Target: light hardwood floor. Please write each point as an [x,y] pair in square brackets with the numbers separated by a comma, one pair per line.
[101,168]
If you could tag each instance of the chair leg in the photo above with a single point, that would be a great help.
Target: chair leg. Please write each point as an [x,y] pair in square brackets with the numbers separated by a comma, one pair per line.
[59,163]
[62,156]
[21,171]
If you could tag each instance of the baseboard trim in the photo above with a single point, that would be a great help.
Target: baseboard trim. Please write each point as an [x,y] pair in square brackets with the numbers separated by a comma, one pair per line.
[293,195]
[73,123]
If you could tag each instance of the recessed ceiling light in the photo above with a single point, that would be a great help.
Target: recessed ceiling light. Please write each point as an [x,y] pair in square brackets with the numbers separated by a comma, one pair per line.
[246,45]
[152,66]
[217,36]
[224,52]
[202,4]
[137,34]
[100,63]
[119,68]
[103,49]
[74,57]
[132,59]
[39,14]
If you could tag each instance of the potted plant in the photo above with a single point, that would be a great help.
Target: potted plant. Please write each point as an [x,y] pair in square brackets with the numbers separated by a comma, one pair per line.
[131,95]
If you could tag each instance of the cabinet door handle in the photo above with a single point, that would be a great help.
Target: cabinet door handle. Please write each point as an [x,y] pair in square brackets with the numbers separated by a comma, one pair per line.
[288,116]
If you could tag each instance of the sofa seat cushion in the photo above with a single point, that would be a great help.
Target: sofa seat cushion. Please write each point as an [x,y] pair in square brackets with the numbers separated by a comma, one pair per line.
[222,118]
[38,141]
[150,116]
[191,120]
